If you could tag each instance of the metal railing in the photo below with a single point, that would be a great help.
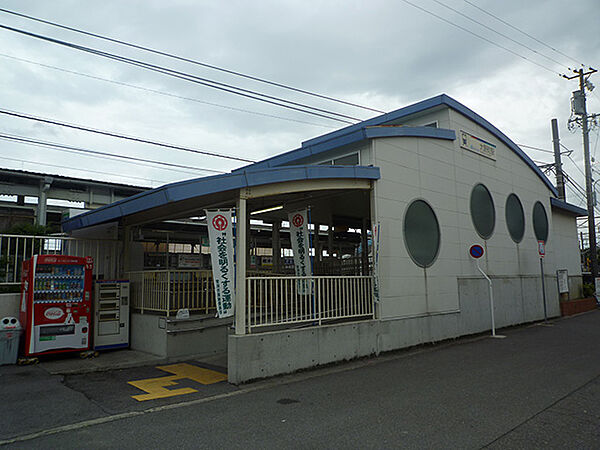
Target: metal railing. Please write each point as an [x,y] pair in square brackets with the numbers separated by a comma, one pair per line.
[167,291]
[14,249]
[275,301]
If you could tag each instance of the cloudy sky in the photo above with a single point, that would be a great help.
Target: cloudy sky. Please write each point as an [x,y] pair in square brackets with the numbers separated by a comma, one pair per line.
[384,54]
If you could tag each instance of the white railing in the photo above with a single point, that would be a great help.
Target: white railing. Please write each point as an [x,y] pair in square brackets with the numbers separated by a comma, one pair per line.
[167,291]
[275,301]
[14,249]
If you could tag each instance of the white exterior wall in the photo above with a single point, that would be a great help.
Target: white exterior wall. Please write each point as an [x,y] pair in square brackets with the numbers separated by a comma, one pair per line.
[443,174]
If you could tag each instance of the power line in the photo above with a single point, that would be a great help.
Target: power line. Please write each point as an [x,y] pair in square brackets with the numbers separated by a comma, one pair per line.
[71,149]
[499,33]
[117,135]
[180,58]
[247,93]
[523,32]
[82,170]
[536,148]
[479,36]
[155,91]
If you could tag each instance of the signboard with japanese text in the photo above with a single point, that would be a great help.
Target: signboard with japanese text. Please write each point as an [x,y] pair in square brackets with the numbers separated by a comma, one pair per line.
[477,145]
[220,235]
[189,261]
[376,237]
[562,276]
[300,246]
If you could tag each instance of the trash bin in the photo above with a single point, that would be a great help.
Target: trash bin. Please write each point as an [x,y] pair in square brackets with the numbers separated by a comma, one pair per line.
[10,331]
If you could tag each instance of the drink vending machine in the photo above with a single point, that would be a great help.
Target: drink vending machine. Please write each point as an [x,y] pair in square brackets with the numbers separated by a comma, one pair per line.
[111,314]
[56,303]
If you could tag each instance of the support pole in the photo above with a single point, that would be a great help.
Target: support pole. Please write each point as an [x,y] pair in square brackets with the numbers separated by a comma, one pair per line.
[42,205]
[276,241]
[240,270]
[364,247]
[543,289]
[494,335]
[560,182]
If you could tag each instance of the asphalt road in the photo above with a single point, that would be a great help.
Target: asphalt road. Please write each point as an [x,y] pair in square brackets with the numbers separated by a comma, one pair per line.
[538,388]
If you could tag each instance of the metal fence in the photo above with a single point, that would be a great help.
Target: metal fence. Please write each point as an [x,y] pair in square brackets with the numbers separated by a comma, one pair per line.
[14,249]
[275,301]
[167,291]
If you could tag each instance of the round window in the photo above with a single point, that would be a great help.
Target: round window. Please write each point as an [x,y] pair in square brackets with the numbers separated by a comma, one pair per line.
[483,213]
[515,218]
[421,233]
[540,222]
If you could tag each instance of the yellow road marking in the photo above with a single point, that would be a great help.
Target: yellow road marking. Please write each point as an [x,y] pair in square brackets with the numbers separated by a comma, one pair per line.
[198,374]
[155,387]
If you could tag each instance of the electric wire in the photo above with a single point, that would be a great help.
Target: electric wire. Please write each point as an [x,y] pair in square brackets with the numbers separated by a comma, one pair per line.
[500,33]
[536,148]
[247,93]
[70,149]
[188,60]
[483,38]
[155,91]
[523,32]
[117,135]
[86,170]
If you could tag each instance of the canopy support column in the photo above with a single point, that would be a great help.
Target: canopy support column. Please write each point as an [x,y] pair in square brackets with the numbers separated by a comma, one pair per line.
[275,236]
[240,273]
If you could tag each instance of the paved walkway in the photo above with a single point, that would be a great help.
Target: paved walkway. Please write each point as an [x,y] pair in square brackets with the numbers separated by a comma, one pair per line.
[538,388]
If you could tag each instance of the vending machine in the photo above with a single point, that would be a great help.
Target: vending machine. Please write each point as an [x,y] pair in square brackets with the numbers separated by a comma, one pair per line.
[56,304]
[111,314]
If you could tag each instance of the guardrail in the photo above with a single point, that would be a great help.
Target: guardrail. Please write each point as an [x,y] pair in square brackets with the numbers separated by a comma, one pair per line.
[275,301]
[167,291]
[14,249]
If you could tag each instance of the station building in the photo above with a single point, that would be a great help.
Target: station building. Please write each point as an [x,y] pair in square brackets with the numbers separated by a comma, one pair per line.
[433,178]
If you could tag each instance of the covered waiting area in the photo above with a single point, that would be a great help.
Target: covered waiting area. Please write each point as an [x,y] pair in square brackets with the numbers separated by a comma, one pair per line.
[338,198]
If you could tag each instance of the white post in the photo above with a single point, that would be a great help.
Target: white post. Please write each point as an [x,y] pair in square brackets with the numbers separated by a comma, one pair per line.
[240,270]
[491,302]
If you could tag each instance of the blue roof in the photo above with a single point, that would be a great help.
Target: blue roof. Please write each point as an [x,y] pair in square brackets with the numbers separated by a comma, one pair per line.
[185,190]
[361,131]
[350,136]
[568,207]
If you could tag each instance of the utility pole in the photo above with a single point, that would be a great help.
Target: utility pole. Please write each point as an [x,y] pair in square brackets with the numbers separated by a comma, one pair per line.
[578,105]
[560,182]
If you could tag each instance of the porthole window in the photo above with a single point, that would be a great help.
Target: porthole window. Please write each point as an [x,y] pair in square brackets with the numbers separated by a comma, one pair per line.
[483,213]
[540,222]
[421,233]
[515,218]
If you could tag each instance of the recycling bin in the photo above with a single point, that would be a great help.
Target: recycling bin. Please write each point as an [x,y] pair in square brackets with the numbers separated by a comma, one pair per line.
[10,332]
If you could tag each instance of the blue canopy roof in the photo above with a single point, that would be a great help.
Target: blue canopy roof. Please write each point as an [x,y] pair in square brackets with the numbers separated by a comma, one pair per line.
[189,189]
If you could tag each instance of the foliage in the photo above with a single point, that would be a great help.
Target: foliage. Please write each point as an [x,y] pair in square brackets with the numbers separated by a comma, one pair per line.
[29,229]
[588,290]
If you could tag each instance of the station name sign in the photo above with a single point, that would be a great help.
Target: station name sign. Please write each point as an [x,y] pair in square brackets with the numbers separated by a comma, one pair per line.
[477,145]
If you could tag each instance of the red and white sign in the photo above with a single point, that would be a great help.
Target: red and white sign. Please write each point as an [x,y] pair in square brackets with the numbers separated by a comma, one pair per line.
[220,222]
[298,220]
[541,249]
[54,313]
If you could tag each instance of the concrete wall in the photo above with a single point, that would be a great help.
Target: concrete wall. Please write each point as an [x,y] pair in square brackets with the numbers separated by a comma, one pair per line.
[148,334]
[443,174]
[9,305]
[519,299]
[171,339]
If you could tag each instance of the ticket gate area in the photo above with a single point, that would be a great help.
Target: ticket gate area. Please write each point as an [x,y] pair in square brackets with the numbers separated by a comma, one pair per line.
[111,314]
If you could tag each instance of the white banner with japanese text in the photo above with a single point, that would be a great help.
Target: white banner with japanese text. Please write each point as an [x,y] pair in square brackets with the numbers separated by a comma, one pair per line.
[300,247]
[375,249]
[220,236]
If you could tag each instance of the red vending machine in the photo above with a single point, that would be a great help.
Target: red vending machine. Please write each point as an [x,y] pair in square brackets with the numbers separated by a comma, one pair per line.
[56,304]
